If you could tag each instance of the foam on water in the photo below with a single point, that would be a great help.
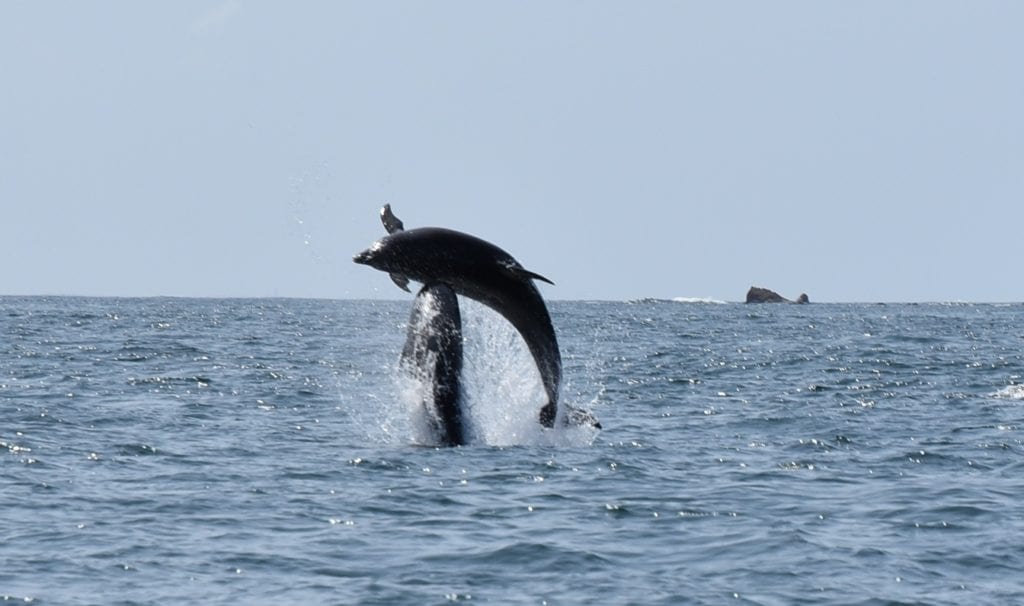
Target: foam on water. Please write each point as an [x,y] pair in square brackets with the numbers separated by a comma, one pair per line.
[1010,392]
[697,300]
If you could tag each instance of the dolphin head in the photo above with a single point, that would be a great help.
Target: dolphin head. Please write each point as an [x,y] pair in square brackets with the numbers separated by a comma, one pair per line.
[389,256]
[376,256]
[413,253]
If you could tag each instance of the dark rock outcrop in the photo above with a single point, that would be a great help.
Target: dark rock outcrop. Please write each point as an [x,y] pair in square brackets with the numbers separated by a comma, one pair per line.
[763,295]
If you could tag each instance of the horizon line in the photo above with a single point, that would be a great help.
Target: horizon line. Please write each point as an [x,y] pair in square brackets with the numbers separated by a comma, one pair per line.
[676,300]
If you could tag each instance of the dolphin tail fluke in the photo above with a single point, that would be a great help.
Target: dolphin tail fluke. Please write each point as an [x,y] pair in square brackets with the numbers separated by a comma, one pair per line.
[579,416]
[573,416]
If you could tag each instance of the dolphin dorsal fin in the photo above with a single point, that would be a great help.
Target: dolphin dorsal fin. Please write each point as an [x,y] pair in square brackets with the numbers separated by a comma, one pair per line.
[390,221]
[524,274]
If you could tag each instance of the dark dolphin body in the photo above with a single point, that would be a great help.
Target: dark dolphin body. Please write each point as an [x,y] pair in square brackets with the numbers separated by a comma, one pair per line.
[481,271]
[433,357]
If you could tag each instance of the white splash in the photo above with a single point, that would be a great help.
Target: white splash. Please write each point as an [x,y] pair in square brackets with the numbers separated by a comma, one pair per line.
[1010,392]
[502,391]
[698,300]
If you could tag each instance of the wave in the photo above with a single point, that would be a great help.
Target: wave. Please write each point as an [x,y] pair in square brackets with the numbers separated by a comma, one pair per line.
[698,300]
[677,300]
[1010,392]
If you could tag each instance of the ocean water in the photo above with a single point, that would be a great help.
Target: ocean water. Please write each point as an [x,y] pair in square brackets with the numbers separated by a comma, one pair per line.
[157,451]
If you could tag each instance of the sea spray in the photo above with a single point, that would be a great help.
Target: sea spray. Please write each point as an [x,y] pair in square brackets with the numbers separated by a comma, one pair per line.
[502,392]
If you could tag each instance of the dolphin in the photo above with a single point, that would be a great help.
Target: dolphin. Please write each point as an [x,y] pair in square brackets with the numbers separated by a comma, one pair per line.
[433,357]
[477,269]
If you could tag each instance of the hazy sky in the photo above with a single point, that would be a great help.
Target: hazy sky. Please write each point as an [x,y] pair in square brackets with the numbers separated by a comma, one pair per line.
[856,151]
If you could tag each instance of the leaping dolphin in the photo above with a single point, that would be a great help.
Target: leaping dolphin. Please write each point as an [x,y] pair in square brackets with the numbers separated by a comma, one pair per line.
[433,351]
[432,356]
[477,269]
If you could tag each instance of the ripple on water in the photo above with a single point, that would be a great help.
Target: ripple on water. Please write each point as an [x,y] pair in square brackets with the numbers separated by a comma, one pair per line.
[257,451]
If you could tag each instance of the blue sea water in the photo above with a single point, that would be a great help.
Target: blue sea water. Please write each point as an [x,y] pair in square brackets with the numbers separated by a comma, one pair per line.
[157,451]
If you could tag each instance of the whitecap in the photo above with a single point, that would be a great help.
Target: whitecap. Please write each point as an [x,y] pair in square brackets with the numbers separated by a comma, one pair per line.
[1010,392]
[698,300]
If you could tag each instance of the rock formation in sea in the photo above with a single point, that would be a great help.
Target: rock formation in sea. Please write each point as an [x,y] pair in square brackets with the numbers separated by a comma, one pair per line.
[757,294]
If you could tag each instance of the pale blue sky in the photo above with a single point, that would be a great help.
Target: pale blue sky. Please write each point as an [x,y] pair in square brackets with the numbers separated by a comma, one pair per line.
[857,151]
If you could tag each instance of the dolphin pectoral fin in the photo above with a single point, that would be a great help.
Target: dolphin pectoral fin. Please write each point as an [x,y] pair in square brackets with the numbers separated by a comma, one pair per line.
[400,281]
[524,274]
[390,221]
[393,224]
